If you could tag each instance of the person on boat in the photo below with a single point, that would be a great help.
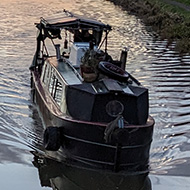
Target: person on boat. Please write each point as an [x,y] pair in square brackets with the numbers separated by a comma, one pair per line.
[87,37]
[77,36]
[82,36]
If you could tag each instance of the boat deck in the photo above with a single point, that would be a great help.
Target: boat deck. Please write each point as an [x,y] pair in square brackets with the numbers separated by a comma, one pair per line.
[69,73]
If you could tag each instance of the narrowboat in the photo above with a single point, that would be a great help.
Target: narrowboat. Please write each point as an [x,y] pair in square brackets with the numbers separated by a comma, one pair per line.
[95,113]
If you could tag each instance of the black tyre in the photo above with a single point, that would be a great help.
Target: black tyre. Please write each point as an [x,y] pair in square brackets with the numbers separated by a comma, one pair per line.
[113,71]
[52,138]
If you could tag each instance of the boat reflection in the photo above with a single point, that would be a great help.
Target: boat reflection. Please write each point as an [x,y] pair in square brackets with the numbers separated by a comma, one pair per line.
[58,176]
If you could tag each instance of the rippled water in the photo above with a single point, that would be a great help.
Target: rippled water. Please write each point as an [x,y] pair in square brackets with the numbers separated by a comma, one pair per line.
[156,65]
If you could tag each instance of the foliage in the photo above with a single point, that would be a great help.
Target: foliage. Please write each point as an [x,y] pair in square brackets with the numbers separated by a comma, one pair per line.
[91,58]
[169,21]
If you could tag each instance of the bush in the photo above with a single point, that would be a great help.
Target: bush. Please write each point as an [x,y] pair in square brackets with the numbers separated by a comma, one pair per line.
[168,21]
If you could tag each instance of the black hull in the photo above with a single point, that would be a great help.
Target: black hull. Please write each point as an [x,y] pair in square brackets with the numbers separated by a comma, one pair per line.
[83,144]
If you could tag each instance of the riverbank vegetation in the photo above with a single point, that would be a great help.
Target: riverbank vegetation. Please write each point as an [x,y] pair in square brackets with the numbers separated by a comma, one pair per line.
[170,19]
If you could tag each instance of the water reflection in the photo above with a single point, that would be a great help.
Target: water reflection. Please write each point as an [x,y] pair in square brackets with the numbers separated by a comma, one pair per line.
[169,100]
[61,177]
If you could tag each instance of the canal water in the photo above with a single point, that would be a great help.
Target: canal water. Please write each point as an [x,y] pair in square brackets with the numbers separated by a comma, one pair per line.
[152,61]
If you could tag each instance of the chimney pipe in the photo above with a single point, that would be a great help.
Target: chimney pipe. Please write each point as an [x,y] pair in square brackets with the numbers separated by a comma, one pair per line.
[123,57]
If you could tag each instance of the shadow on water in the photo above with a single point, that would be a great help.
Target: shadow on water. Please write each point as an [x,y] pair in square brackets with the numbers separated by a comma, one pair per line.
[61,177]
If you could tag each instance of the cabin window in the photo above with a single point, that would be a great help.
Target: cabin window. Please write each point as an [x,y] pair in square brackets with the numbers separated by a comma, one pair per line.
[46,74]
[53,83]
[58,92]
[56,88]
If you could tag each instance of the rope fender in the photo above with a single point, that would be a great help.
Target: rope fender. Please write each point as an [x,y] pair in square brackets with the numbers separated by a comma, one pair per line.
[112,126]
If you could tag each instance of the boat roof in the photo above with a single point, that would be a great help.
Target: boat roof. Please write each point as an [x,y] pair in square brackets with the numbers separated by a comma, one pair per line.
[70,21]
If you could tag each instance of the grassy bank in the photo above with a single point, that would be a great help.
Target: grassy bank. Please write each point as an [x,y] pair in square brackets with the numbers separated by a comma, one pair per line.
[168,19]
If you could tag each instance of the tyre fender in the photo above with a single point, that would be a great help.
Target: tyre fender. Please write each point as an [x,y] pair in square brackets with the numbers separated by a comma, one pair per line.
[113,71]
[52,138]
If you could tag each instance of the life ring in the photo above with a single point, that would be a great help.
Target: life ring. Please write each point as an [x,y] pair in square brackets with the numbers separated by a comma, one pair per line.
[52,138]
[113,71]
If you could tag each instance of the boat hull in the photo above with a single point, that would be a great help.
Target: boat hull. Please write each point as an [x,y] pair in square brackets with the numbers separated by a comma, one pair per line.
[83,143]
